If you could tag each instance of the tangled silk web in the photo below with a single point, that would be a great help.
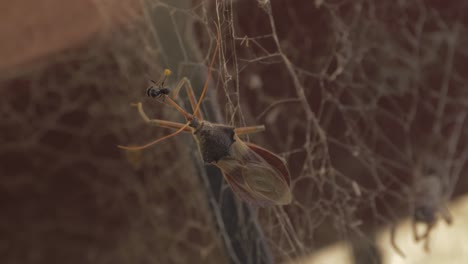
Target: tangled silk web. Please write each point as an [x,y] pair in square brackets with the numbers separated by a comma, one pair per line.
[362,98]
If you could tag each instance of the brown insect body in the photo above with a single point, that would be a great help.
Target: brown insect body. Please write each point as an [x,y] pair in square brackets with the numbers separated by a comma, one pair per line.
[254,173]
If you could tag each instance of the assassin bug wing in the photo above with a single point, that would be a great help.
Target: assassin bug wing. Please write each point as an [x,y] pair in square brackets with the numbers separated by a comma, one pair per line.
[237,184]
[272,159]
[255,179]
[267,182]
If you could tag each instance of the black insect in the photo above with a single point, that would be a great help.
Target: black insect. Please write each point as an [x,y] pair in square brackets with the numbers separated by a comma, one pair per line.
[160,90]
[157,92]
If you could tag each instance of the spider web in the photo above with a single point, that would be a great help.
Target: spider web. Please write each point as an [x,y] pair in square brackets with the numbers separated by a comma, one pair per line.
[355,95]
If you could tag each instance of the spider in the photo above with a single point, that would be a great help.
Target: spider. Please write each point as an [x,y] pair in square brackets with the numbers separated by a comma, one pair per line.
[428,202]
[255,174]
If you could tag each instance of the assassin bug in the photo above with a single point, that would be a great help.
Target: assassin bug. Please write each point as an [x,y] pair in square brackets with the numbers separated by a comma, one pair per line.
[255,174]
[161,90]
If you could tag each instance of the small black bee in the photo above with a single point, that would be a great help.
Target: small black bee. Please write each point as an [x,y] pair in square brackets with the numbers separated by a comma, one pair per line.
[161,90]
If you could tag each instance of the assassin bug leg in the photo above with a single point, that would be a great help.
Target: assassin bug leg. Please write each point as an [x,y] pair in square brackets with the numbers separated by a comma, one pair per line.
[159,122]
[175,125]
[193,102]
[188,88]
[162,123]
[249,130]
[156,141]
[187,116]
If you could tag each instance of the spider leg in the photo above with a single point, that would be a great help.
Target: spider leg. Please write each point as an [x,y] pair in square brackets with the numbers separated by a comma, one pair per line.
[446,215]
[393,241]
[426,236]
[426,233]
[188,87]
[426,243]
[249,130]
[415,231]
[158,122]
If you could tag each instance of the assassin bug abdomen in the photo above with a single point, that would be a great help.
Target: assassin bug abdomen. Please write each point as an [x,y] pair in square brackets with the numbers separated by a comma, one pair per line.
[257,175]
